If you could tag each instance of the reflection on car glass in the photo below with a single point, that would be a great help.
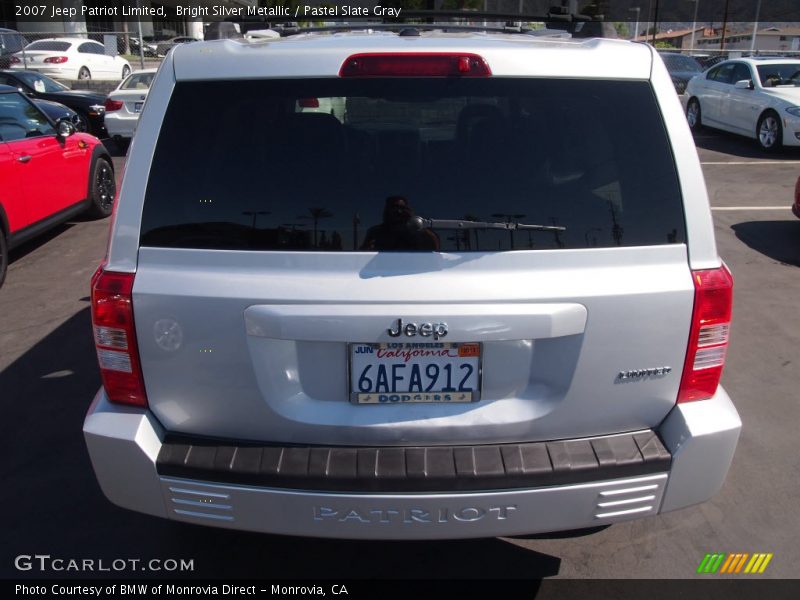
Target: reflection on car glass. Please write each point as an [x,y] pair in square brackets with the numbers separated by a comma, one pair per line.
[308,165]
[399,230]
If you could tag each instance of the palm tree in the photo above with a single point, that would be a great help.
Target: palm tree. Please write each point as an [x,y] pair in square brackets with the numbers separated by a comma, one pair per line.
[317,213]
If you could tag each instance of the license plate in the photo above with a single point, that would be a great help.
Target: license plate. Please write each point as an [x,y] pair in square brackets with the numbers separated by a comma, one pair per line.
[137,107]
[410,373]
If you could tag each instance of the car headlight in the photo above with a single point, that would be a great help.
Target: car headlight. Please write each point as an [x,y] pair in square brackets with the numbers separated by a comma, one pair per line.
[794,111]
[97,109]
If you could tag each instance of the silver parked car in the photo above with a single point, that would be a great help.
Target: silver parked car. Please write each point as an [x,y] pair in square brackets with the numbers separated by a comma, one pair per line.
[482,299]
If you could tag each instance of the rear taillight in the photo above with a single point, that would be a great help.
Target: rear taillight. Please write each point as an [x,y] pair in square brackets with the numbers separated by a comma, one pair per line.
[308,102]
[15,60]
[115,337]
[708,339]
[797,192]
[429,64]
[56,59]
[112,105]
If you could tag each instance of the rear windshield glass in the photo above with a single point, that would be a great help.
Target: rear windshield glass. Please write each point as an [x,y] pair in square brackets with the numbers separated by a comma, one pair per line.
[52,46]
[138,81]
[412,165]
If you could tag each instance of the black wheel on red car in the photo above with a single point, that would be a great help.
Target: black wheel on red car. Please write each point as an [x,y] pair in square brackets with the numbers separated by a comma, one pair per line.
[3,256]
[102,189]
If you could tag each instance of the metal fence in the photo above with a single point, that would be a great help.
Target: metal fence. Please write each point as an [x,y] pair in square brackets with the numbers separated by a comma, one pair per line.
[144,51]
[733,53]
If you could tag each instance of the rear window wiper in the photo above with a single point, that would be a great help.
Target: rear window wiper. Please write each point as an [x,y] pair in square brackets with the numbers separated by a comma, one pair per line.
[421,222]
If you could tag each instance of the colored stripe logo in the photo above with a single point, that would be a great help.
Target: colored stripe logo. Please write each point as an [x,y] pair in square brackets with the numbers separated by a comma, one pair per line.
[734,563]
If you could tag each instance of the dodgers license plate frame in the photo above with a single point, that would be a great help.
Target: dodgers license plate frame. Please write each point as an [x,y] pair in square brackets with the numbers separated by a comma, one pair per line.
[451,391]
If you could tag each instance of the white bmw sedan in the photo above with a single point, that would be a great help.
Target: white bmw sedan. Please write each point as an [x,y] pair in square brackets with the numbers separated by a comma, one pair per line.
[71,58]
[124,105]
[759,98]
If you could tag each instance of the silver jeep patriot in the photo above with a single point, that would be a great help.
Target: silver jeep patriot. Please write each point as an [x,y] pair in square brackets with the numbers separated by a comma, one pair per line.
[381,285]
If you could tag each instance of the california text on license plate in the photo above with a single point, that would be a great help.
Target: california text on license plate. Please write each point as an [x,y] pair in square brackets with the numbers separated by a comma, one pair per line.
[399,373]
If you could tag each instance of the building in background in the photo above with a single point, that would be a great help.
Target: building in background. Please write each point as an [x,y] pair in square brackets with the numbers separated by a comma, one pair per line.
[770,39]
[679,39]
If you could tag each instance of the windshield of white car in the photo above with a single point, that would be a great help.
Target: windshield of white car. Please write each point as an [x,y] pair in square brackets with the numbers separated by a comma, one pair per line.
[40,83]
[49,46]
[782,74]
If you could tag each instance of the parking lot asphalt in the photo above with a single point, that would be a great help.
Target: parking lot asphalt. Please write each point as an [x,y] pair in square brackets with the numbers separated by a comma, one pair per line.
[48,376]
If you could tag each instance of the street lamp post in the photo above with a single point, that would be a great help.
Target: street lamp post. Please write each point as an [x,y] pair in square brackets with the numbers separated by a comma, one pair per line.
[637,9]
[141,39]
[755,28]
[694,24]
[655,23]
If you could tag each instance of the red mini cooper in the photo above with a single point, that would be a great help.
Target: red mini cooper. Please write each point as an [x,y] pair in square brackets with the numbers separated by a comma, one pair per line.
[48,173]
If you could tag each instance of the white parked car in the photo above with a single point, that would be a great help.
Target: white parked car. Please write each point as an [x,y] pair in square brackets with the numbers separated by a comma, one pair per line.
[124,104]
[71,58]
[754,97]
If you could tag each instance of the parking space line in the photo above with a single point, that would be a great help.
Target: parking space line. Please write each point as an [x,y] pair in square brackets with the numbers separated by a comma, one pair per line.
[750,208]
[752,162]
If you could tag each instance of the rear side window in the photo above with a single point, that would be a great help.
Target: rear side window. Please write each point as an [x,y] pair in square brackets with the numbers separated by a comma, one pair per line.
[722,74]
[349,164]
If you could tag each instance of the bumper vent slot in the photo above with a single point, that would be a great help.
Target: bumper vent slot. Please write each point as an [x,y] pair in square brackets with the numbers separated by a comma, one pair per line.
[203,505]
[620,502]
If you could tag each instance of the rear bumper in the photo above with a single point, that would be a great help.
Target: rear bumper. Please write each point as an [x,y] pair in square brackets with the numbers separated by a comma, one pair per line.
[139,470]
[121,125]
[55,72]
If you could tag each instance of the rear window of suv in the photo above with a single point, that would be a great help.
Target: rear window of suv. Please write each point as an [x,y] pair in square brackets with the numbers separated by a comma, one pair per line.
[347,164]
